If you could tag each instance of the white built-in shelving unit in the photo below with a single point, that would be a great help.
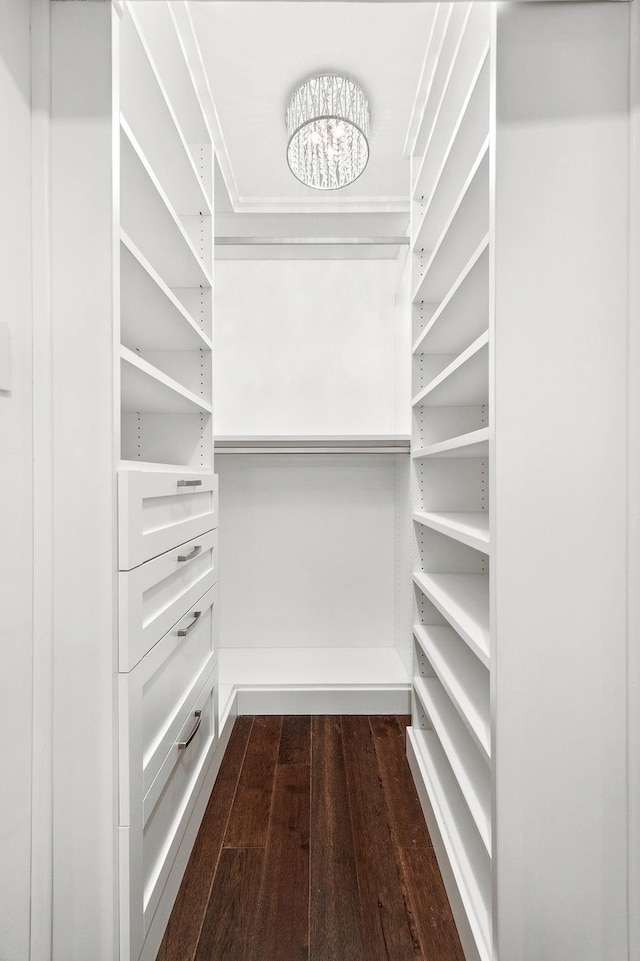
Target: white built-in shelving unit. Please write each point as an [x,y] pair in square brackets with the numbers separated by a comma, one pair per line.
[450,737]
[505,236]
[141,168]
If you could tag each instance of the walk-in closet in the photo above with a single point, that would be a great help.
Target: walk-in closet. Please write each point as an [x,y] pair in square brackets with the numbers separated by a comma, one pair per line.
[319,399]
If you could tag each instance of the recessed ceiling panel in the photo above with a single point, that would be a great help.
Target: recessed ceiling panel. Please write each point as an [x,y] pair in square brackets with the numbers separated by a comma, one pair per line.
[256,53]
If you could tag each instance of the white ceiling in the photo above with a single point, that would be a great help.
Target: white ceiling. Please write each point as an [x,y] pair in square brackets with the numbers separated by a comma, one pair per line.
[256,53]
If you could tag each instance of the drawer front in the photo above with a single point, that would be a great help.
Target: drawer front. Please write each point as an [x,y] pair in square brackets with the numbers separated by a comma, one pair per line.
[155,595]
[149,846]
[158,510]
[157,697]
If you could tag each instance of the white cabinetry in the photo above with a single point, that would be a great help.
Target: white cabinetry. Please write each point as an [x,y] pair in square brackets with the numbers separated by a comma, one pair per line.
[145,275]
[519,244]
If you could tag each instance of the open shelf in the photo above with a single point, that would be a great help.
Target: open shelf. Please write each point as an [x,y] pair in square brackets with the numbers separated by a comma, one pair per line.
[149,112]
[149,219]
[464,312]
[470,770]
[145,389]
[449,24]
[443,163]
[159,467]
[463,599]
[152,317]
[463,383]
[159,24]
[473,444]
[450,189]
[463,677]
[466,225]
[309,667]
[471,528]
[456,835]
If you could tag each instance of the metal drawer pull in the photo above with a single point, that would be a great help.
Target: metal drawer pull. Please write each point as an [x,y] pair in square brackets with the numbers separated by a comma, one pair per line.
[191,483]
[183,744]
[185,630]
[194,553]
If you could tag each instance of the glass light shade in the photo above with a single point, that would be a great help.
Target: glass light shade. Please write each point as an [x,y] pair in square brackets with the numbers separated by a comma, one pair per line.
[328,123]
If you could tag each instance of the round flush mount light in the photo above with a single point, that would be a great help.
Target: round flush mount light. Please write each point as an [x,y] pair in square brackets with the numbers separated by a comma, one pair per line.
[328,122]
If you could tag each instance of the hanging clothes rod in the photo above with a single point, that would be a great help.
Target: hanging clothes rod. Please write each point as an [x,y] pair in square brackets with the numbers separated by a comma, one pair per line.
[311,241]
[392,444]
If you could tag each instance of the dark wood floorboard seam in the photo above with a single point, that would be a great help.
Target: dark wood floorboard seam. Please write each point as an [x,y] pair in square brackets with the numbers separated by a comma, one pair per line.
[335,922]
[387,928]
[184,929]
[249,818]
[282,928]
[406,820]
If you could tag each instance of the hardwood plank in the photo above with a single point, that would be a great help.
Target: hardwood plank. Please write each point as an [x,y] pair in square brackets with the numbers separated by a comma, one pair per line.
[404,720]
[432,916]
[229,926]
[282,930]
[334,916]
[181,937]
[385,916]
[407,819]
[295,741]
[249,819]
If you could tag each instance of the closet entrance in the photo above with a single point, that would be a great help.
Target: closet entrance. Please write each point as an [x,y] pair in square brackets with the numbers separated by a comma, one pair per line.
[342,444]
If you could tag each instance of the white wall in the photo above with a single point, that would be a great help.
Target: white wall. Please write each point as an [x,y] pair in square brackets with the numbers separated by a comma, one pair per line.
[16,524]
[309,543]
[559,476]
[633,573]
[305,347]
[307,550]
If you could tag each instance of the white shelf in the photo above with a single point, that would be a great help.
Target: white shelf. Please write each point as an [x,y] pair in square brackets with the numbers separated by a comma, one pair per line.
[145,389]
[463,677]
[469,218]
[450,190]
[464,600]
[160,467]
[338,667]
[149,219]
[464,310]
[470,528]
[146,105]
[473,444]
[449,23]
[152,317]
[470,770]
[463,383]
[474,93]
[445,809]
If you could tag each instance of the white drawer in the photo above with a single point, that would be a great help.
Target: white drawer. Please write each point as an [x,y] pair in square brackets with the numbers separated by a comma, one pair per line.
[156,699]
[149,845]
[155,595]
[158,510]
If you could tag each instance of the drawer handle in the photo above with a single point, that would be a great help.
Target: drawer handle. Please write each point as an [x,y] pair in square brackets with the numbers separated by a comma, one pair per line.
[190,483]
[184,744]
[185,630]
[194,553]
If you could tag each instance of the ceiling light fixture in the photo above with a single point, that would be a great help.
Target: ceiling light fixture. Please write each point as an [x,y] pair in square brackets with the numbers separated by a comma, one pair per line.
[328,121]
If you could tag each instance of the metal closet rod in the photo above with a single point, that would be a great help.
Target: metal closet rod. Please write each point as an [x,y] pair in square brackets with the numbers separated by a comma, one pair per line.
[313,445]
[310,241]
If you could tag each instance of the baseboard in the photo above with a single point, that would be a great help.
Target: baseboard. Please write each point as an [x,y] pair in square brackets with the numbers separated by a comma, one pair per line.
[379,699]
[160,920]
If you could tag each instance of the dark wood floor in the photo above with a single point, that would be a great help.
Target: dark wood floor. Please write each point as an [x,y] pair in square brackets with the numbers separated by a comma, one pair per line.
[313,848]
